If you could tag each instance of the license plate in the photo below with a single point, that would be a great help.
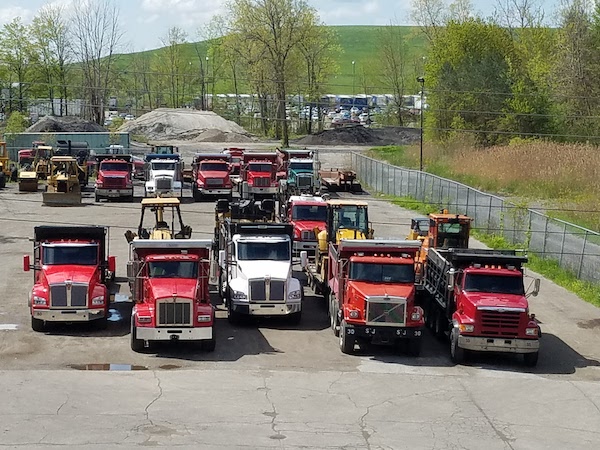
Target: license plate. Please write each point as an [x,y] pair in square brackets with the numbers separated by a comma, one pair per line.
[113,194]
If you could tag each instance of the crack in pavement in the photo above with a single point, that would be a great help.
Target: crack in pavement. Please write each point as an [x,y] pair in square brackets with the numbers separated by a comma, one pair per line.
[273,414]
[63,404]
[585,396]
[155,399]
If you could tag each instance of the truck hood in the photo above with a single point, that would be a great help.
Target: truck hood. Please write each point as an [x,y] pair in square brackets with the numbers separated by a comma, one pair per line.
[485,299]
[260,268]
[380,289]
[309,225]
[77,274]
[213,173]
[168,287]
[114,173]
[163,173]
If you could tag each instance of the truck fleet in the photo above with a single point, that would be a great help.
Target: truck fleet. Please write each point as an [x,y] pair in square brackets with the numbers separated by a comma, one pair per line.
[383,291]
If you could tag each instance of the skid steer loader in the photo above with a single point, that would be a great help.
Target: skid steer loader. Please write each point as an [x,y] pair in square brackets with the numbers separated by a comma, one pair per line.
[63,183]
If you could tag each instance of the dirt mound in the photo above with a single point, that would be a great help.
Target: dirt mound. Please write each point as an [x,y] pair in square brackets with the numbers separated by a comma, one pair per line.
[68,124]
[167,124]
[359,135]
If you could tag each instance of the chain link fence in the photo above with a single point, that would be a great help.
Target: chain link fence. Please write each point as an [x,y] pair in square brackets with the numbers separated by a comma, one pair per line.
[575,248]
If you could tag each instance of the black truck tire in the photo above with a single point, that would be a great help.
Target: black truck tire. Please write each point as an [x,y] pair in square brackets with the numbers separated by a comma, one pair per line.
[413,346]
[233,317]
[37,324]
[346,342]
[210,345]
[531,359]
[137,345]
[457,354]
[101,324]
[333,315]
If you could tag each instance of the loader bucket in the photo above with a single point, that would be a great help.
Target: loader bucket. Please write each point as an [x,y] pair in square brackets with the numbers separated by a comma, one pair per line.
[61,198]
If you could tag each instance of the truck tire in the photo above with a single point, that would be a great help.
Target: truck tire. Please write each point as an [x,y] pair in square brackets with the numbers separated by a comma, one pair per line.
[439,327]
[233,317]
[196,193]
[530,359]
[457,354]
[137,345]
[296,318]
[346,342]
[96,198]
[101,324]
[333,316]
[37,325]
[413,347]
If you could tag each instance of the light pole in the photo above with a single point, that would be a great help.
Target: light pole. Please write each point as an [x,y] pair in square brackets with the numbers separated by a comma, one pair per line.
[353,78]
[207,85]
[422,81]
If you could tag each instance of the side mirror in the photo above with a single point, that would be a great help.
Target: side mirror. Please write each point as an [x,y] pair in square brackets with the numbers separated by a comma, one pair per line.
[304,259]
[451,273]
[536,287]
[112,264]
[26,263]
[221,258]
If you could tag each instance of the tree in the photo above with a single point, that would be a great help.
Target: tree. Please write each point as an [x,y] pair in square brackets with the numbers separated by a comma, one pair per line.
[174,64]
[429,15]
[19,56]
[393,57]
[277,27]
[96,38]
[51,36]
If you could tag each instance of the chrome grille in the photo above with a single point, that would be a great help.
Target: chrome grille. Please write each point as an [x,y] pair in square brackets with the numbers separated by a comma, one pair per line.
[174,312]
[500,323]
[267,290]
[308,235]
[214,182]
[304,181]
[386,311]
[114,182]
[68,295]
[164,183]
[262,182]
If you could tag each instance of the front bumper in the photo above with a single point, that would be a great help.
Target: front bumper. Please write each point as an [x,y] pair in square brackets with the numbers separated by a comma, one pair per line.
[299,246]
[174,334]
[216,191]
[267,309]
[503,345]
[262,190]
[68,315]
[383,334]
[114,193]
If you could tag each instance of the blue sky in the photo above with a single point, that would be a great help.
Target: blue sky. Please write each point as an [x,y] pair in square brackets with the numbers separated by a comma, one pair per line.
[146,21]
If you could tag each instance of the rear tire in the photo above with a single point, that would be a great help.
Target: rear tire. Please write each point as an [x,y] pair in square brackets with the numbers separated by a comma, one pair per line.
[101,324]
[37,325]
[333,316]
[346,342]
[137,345]
[457,354]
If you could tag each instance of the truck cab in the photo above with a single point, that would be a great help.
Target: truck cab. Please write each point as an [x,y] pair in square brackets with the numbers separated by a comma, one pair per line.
[114,178]
[258,178]
[70,272]
[373,293]
[211,176]
[308,215]
[164,176]
[169,285]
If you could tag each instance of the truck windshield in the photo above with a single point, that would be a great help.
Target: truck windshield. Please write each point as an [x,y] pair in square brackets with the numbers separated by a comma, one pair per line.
[163,166]
[304,166]
[173,269]
[274,251]
[382,273]
[115,167]
[451,235]
[494,284]
[81,255]
[264,167]
[215,167]
[350,216]
[317,213]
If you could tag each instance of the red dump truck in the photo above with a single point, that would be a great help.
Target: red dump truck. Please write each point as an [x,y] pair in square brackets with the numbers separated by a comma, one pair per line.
[115,177]
[308,215]
[169,285]
[372,293]
[477,298]
[210,176]
[258,176]
[70,274]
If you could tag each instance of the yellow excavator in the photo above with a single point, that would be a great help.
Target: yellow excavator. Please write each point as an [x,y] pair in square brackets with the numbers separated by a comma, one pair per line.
[63,183]
[163,210]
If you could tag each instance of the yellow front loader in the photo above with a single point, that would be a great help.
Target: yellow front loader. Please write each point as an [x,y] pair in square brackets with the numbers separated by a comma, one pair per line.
[63,183]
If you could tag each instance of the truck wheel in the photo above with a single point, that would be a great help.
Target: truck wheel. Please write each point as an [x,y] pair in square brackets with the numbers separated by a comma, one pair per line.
[346,342]
[439,328]
[296,318]
[232,316]
[333,316]
[413,347]
[101,324]
[530,359]
[96,198]
[457,354]
[37,324]
[137,345]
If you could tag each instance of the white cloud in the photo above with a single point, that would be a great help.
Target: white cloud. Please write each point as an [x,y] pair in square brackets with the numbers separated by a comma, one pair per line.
[8,14]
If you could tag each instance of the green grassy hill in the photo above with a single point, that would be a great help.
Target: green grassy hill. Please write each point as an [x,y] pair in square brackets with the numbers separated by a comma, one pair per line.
[357,43]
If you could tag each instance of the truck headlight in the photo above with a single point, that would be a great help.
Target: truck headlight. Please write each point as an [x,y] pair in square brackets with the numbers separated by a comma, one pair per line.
[415,317]
[531,331]
[98,300]
[295,295]
[354,314]
[466,328]
[238,295]
[39,300]
[204,319]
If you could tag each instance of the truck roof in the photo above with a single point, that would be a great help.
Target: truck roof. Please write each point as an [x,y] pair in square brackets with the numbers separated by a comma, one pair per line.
[343,202]
[198,157]
[465,257]
[170,243]
[379,245]
[161,201]
[306,199]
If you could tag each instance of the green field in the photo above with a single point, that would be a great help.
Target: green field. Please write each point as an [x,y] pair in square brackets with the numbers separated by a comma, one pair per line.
[357,43]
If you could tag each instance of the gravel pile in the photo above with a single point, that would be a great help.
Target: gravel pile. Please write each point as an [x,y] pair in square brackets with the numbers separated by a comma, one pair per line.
[359,135]
[68,124]
[165,124]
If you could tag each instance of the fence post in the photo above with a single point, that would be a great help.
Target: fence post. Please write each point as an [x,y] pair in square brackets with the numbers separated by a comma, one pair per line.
[562,244]
[582,253]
